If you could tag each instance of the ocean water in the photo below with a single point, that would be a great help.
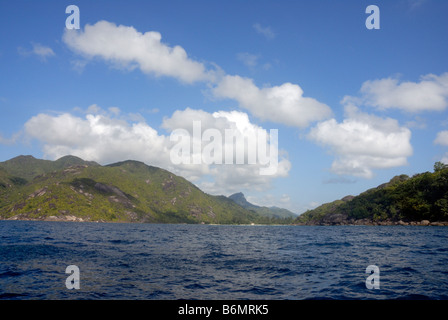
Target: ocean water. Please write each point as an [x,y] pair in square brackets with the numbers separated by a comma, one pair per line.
[209,262]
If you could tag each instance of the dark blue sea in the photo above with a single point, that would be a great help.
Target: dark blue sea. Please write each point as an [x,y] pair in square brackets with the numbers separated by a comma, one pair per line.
[210,262]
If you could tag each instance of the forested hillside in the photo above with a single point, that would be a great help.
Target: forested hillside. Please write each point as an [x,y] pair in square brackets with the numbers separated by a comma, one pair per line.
[422,197]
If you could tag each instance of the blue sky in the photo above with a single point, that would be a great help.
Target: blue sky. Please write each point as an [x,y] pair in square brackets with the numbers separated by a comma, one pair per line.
[353,107]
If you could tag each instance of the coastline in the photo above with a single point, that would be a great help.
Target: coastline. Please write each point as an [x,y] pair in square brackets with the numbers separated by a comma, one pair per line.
[367,222]
[361,222]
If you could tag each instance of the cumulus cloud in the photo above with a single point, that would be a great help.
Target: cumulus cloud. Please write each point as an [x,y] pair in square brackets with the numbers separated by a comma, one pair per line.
[363,142]
[108,136]
[236,135]
[282,104]
[97,137]
[125,47]
[429,94]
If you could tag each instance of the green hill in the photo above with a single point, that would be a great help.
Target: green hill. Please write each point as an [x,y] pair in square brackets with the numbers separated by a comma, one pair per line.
[130,191]
[28,167]
[403,200]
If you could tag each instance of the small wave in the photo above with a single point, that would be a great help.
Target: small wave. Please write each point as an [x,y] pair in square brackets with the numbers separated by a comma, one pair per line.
[118,241]
[11,295]
[278,273]
[196,286]
[259,291]
[10,274]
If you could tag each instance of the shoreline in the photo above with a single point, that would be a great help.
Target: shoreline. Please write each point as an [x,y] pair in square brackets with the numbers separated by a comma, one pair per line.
[362,222]
[366,222]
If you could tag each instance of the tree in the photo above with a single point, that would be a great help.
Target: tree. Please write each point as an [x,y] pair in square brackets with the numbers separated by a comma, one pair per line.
[439,166]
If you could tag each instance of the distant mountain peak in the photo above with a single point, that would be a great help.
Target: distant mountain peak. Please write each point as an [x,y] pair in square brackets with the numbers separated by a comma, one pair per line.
[240,199]
[272,211]
[238,196]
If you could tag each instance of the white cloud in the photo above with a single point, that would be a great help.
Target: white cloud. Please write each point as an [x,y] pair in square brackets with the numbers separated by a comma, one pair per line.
[10,141]
[414,4]
[94,109]
[43,52]
[430,94]
[109,136]
[442,138]
[445,158]
[249,59]
[97,137]
[282,104]
[417,123]
[125,47]
[265,31]
[184,119]
[227,178]
[267,66]
[285,198]
[363,142]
